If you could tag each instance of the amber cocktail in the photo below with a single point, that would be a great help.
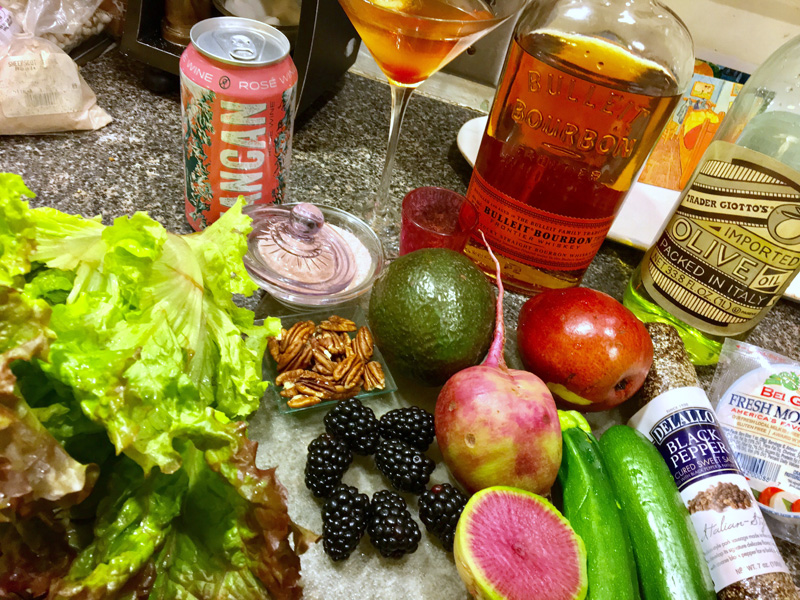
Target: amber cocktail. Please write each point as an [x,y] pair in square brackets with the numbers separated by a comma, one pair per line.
[410,45]
[410,40]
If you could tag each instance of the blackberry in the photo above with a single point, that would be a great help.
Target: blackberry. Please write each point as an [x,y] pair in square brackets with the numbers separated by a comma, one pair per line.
[344,519]
[392,529]
[407,469]
[439,509]
[328,459]
[412,425]
[354,423]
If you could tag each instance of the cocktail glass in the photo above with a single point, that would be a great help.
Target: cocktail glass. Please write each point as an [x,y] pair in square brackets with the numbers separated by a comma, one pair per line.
[410,40]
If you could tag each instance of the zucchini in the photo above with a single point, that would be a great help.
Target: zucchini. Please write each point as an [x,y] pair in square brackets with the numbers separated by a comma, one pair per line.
[590,507]
[668,554]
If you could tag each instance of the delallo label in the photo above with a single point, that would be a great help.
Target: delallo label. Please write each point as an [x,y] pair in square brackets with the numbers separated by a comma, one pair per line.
[733,245]
[692,444]
[760,414]
[237,127]
[733,534]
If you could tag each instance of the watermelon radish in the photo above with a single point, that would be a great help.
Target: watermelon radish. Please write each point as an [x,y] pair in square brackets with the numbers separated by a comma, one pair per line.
[498,426]
[511,544]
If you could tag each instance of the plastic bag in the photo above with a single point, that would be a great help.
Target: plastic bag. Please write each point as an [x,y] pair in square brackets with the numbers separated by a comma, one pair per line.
[757,398]
[64,22]
[42,91]
[62,17]
[8,27]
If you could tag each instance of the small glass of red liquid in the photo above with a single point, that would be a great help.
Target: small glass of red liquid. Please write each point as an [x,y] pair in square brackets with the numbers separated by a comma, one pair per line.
[434,217]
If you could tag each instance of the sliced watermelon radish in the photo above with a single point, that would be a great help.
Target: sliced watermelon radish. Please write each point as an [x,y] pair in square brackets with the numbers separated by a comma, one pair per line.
[514,545]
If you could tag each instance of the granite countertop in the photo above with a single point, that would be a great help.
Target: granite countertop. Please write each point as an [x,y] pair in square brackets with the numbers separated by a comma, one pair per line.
[338,150]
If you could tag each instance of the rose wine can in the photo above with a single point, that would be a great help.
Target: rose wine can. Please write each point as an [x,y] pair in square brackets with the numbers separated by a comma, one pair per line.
[237,105]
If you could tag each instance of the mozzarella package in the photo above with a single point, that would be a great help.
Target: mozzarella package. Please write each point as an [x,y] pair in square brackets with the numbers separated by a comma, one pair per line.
[757,396]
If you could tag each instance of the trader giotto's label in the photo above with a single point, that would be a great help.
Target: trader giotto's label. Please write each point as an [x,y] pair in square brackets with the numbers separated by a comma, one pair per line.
[733,245]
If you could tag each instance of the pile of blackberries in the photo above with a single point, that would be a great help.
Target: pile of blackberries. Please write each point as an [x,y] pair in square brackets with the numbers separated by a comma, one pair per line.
[399,441]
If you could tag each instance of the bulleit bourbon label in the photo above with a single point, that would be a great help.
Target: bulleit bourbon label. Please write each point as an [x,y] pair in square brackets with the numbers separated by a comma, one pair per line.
[733,246]
[533,236]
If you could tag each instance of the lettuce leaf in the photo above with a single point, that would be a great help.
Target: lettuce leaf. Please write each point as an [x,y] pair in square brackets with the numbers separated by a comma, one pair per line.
[242,549]
[205,536]
[51,285]
[33,464]
[132,523]
[21,319]
[124,351]
[181,285]
[16,229]
[35,555]
[55,406]
[149,336]
[268,552]
[39,480]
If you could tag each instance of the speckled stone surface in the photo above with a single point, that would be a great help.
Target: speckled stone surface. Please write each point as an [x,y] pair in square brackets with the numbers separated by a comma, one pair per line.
[338,150]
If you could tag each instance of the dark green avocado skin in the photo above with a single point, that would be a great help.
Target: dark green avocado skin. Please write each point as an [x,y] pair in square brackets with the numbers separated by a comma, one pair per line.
[432,314]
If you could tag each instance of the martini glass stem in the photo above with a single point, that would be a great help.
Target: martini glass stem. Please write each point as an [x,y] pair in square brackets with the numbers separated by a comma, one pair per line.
[384,212]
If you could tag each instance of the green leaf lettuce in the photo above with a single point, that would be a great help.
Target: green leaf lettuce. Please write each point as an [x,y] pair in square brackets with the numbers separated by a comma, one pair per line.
[126,372]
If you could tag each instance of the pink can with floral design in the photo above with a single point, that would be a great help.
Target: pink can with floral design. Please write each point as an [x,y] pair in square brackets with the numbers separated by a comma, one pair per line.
[237,102]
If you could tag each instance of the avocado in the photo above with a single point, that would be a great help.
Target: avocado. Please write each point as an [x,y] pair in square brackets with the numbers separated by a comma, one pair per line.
[432,314]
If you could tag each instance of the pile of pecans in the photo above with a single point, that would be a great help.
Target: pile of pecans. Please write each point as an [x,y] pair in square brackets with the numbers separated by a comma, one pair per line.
[322,362]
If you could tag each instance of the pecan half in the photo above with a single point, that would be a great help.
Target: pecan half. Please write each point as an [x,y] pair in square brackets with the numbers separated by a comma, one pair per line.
[300,360]
[374,378]
[336,323]
[343,366]
[354,373]
[274,347]
[289,376]
[322,362]
[299,332]
[348,394]
[364,344]
[301,401]
[295,353]
[321,389]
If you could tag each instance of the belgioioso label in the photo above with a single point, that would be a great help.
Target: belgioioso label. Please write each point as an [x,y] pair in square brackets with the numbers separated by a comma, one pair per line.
[733,245]
[733,534]
[760,414]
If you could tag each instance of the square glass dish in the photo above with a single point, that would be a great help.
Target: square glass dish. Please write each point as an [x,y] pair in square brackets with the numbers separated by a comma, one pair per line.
[270,367]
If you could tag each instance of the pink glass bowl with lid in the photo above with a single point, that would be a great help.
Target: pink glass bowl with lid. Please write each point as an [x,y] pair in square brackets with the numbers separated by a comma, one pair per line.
[308,256]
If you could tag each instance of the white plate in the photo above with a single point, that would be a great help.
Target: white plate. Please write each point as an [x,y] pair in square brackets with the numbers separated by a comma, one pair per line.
[643,212]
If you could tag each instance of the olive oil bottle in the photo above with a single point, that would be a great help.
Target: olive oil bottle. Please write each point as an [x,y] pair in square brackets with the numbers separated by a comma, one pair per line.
[732,247]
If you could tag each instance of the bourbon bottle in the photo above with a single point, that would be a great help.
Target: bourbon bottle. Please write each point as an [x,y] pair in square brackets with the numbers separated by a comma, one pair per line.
[587,87]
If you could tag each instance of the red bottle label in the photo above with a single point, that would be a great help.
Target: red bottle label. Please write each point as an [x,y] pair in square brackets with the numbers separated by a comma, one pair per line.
[532,236]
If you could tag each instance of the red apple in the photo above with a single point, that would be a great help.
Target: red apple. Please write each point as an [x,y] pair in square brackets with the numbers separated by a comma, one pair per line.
[592,352]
